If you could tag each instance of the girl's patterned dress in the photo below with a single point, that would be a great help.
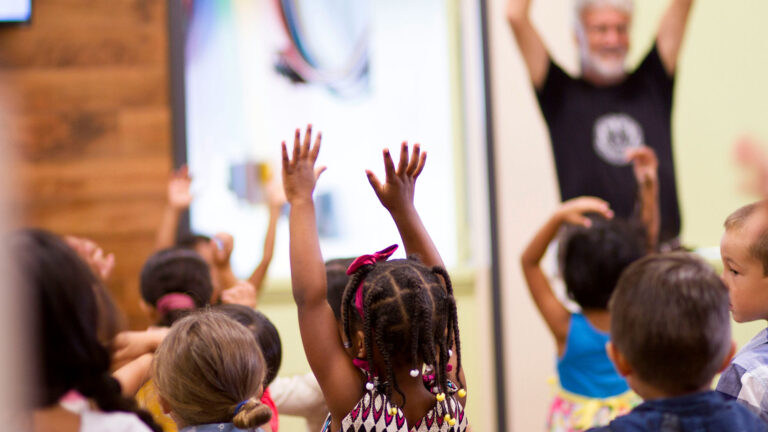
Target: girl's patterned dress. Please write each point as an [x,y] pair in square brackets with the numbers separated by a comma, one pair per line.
[372,414]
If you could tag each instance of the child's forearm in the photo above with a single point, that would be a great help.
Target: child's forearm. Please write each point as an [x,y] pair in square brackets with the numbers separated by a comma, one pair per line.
[536,249]
[134,374]
[166,232]
[415,236]
[260,273]
[648,193]
[307,268]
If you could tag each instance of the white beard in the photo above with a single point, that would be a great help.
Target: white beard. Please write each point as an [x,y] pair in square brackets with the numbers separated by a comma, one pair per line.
[609,70]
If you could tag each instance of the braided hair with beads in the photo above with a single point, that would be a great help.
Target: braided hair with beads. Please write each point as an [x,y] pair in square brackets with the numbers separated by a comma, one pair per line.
[409,313]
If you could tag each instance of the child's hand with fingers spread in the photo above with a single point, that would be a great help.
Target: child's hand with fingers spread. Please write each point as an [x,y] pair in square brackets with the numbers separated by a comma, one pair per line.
[574,210]
[100,263]
[398,189]
[299,172]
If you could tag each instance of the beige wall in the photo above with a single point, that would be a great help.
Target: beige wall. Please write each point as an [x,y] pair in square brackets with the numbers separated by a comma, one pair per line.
[720,93]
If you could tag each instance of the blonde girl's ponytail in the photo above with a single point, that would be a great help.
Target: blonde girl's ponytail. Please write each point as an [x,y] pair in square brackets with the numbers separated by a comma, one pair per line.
[251,413]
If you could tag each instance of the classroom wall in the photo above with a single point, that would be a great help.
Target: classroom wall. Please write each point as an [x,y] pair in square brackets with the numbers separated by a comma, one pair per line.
[92,126]
[720,94]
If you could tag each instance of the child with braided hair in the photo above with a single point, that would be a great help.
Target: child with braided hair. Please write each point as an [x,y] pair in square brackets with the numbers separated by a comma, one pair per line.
[397,316]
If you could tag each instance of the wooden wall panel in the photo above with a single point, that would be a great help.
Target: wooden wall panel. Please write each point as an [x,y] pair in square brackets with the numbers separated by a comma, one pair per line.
[91,126]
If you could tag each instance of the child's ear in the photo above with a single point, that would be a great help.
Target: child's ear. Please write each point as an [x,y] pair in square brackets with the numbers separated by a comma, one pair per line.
[618,359]
[359,344]
[729,357]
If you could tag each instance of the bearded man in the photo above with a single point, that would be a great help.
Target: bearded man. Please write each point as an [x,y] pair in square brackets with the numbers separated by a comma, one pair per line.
[594,119]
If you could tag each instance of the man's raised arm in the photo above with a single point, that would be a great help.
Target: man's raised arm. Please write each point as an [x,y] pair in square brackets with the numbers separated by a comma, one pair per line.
[528,40]
[671,32]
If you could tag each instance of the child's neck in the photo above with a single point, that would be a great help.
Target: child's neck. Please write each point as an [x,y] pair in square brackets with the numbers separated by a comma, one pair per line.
[419,399]
[599,318]
[649,393]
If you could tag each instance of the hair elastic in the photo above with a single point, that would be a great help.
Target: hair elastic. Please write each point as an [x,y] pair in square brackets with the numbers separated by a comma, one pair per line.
[240,406]
[174,301]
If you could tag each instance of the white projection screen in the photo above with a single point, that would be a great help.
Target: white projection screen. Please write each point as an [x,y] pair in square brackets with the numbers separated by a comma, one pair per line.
[369,74]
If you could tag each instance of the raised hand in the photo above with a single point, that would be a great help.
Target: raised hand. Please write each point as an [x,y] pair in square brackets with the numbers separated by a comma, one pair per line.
[299,172]
[101,264]
[275,195]
[222,244]
[398,189]
[179,196]
[645,164]
[751,156]
[574,211]
[243,293]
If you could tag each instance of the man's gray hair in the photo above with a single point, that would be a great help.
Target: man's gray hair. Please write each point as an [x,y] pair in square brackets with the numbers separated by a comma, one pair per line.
[623,5]
[627,6]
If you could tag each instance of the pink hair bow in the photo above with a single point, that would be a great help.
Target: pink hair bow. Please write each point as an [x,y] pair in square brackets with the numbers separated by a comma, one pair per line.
[363,260]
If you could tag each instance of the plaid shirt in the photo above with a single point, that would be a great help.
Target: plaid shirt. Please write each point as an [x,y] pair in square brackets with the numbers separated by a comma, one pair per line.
[746,378]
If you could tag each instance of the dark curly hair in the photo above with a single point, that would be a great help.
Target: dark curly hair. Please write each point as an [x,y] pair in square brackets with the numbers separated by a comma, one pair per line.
[593,258]
[176,270]
[409,314]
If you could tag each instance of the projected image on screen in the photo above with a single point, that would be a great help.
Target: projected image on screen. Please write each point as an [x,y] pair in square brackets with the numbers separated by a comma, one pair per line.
[15,10]
[369,74]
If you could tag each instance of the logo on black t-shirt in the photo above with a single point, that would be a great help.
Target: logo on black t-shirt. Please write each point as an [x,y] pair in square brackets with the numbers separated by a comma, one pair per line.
[614,134]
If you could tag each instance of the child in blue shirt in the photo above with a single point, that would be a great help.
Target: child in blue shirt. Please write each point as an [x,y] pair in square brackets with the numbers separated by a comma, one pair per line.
[593,255]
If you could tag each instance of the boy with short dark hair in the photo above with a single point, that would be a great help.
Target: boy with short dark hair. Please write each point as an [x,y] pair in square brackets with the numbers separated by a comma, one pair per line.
[670,335]
[744,251]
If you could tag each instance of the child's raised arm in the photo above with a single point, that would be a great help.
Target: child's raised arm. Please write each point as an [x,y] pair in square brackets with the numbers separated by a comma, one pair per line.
[341,382]
[396,195]
[646,166]
[275,201]
[179,199]
[555,314]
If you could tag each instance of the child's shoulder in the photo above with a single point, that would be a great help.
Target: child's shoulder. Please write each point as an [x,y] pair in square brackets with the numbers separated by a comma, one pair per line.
[752,357]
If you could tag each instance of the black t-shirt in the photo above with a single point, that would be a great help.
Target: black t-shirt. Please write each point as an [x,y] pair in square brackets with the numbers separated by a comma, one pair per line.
[591,127]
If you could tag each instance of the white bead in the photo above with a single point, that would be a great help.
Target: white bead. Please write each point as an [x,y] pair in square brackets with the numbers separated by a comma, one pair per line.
[450,353]
[414,373]
[369,386]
